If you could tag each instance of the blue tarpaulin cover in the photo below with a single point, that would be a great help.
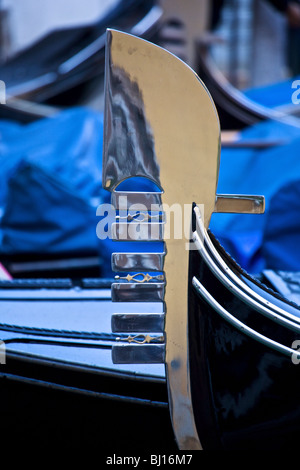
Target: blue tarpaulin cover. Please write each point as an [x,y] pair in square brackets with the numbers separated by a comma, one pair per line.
[274,95]
[275,173]
[50,188]
[50,183]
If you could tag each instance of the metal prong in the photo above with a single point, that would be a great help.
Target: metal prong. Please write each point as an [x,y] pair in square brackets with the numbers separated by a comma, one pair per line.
[137,231]
[123,200]
[137,262]
[137,322]
[138,354]
[133,292]
[240,204]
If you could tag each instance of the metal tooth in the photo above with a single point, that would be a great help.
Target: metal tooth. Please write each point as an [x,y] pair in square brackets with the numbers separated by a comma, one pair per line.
[137,231]
[123,200]
[241,204]
[138,354]
[137,322]
[137,262]
[133,292]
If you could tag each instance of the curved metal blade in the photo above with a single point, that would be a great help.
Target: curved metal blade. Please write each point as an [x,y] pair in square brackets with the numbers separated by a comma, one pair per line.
[161,124]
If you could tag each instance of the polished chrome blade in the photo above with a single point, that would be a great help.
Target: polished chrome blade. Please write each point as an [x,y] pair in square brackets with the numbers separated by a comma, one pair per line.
[160,124]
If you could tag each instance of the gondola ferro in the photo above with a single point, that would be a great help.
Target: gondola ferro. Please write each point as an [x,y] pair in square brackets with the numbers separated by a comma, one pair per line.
[225,338]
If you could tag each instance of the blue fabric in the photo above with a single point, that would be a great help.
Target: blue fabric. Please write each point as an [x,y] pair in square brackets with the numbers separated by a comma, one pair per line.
[281,240]
[262,172]
[44,216]
[271,96]
[67,146]
[50,183]
[50,188]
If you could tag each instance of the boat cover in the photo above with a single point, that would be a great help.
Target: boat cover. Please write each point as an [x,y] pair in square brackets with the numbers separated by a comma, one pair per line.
[275,94]
[50,188]
[255,241]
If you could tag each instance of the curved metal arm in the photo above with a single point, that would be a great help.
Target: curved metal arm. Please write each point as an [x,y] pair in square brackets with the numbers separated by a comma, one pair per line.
[202,292]
[224,278]
[269,305]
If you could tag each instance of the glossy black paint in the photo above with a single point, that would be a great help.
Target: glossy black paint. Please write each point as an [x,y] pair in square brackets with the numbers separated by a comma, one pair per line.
[245,395]
[45,404]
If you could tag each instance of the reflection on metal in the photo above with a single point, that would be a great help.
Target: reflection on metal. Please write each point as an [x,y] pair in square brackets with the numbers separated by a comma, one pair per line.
[243,204]
[138,322]
[137,231]
[135,292]
[131,354]
[121,200]
[138,262]
[145,135]
[170,134]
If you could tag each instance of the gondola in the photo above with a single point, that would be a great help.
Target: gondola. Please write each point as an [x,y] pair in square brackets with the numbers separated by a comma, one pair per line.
[229,341]
[57,378]
[55,371]
[57,68]
[142,355]
[243,354]
[243,104]
[65,66]
[236,108]
[58,381]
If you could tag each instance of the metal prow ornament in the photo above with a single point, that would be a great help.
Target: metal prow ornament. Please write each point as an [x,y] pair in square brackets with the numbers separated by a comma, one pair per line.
[160,123]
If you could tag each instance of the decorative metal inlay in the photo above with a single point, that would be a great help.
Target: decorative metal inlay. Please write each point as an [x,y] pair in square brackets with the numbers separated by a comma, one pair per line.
[142,339]
[144,277]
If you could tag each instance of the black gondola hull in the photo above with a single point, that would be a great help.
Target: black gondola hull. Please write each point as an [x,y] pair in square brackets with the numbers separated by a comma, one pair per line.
[245,395]
[53,404]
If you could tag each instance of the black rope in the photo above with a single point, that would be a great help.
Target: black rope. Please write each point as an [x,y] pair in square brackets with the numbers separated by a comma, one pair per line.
[57,343]
[62,333]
